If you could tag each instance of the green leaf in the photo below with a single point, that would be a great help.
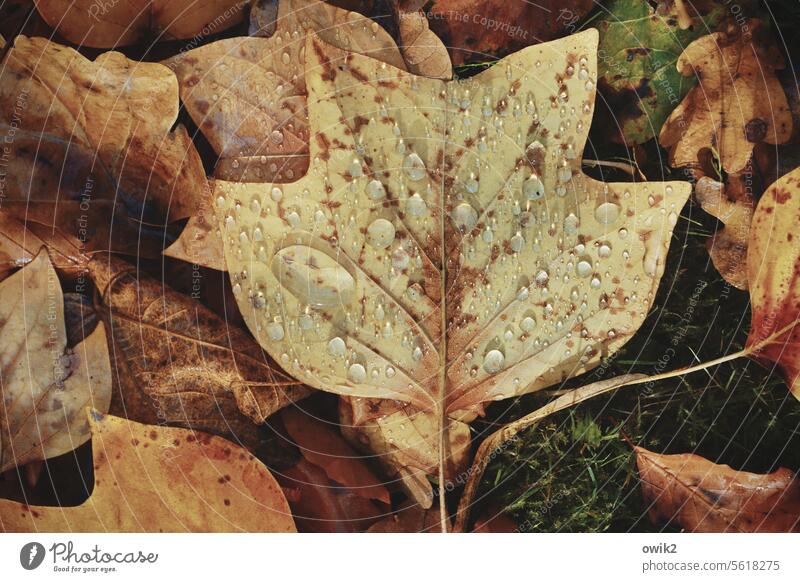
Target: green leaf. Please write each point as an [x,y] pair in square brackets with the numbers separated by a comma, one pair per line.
[639,47]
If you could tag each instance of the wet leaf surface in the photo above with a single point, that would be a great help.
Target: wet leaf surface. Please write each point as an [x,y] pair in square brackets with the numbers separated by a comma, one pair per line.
[248,95]
[178,362]
[402,268]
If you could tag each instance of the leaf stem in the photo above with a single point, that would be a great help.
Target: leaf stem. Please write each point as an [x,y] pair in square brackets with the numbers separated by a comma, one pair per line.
[627,167]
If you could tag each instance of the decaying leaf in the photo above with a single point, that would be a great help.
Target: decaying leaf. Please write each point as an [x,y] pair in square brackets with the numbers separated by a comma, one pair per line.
[320,505]
[773,257]
[330,488]
[639,47]
[158,479]
[321,445]
[423,51]
[406,442]
[111,23]
[737,103]
[733,204]
[445,249]
[45,386]
[176,361]
[199,242]
[84,131]
[701,496]
[248,95]
[479,30]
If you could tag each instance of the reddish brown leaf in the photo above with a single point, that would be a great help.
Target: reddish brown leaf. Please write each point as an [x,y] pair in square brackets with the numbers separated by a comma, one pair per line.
[323,506]
[477,31]
[322,446]
[701,496]
[112,23]
[493,520]
[773,267]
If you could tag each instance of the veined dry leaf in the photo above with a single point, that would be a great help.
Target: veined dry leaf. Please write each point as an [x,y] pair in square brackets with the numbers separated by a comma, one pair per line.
[737,103]
[478,30]
[704,497]
[406,441]
[257,123]
[111,23]
[445,249]
[733,204]
[324,447]
[45,386]
[170,480]
[423,51]
[178,362]
[773,256]
[86,131]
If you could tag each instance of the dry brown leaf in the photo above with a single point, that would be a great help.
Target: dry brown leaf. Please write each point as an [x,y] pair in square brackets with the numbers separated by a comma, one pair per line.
[322,446]
[199,242]
[178,362]
[340,275]
[45,386]
[701,496]
[248,95]
[73,232]
[773,272]
[406,441]
[84,131]
[737,103]
[157,479]
[478,30]
[17,245]
[321,505]
[112,23]
[423,51]
[733,205]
